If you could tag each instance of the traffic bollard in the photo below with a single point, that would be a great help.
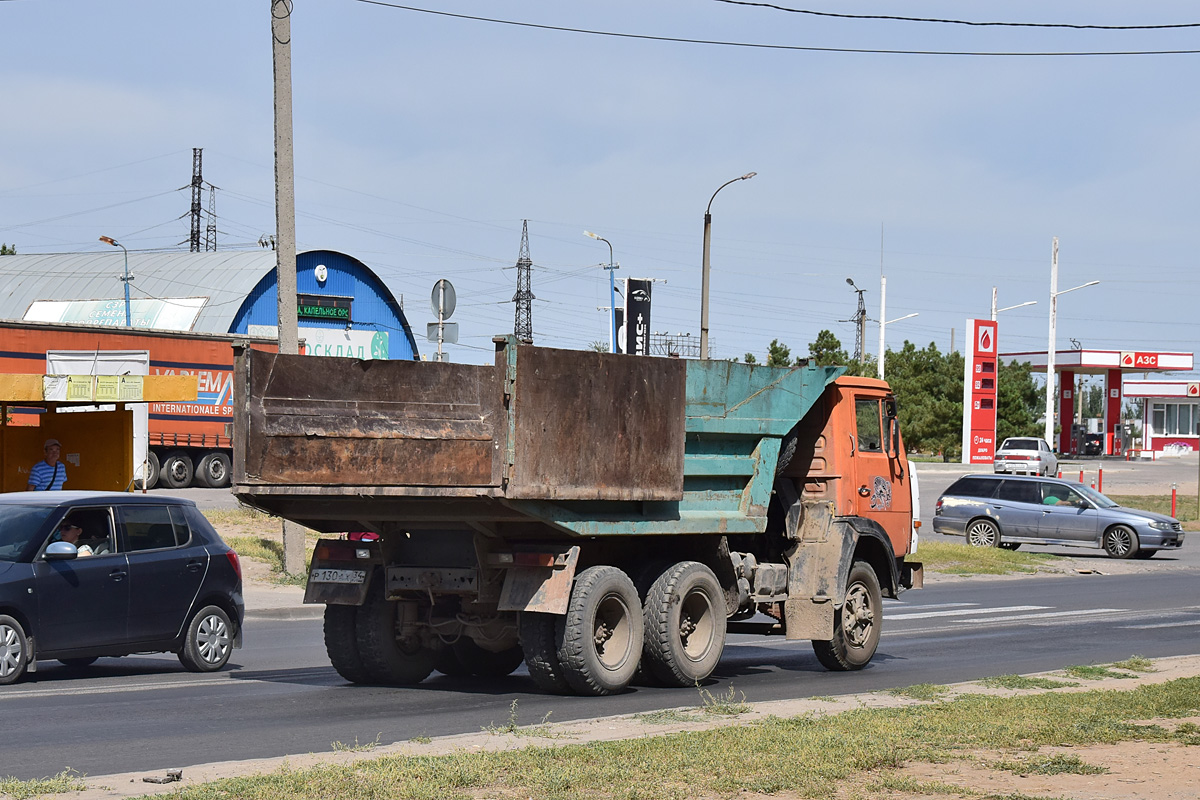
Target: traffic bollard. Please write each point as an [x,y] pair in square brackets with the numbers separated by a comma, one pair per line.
[1174,488]
[1081,476]
[1100,480]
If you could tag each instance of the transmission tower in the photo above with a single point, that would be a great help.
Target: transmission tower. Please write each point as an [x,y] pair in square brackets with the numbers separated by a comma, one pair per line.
[197,189]
[860,322]
[524,297]
[210,232]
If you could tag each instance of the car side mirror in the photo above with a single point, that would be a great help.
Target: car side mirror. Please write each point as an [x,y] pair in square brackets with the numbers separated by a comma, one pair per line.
[61,551]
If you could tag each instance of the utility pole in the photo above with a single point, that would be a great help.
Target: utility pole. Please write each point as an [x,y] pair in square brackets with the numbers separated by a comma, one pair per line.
[197,185]
[285,226]
[860,320]
[523,326]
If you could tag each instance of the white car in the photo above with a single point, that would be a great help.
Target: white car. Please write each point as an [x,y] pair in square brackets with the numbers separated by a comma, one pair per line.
[1026,454]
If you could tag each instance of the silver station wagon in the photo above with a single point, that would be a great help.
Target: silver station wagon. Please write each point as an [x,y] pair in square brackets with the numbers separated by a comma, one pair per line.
[1008,510]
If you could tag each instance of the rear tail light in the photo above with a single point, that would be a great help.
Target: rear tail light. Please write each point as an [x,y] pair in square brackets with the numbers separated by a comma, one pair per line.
[937,509]
[233,562]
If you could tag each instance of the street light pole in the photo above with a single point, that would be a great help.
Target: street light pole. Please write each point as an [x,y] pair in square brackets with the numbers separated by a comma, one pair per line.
[126,279]
[884,321]
[1054,293]
[705,267]
[996,311]
[612,294]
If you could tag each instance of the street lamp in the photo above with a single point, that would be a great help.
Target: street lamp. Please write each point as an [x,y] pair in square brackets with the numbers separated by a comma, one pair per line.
[996,311]
[612,293]
[127,278]
[704,274]
[1054,293]
[883,321]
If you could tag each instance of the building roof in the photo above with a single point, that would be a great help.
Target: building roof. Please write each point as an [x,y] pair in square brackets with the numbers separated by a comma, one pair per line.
[222,279]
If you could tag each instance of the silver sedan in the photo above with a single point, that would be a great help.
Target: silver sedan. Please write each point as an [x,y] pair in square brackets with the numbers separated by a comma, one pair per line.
[1009,510]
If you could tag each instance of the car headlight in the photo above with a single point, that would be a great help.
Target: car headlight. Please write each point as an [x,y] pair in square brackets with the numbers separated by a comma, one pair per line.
[1162,526]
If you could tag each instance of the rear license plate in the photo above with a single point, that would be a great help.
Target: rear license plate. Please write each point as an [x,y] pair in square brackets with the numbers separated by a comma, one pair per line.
[337,576]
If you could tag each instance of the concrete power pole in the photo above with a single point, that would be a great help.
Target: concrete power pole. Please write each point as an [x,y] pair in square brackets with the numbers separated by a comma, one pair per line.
[285,226]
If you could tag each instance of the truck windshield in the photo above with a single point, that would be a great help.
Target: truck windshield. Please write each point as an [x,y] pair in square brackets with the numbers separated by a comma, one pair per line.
[18,525]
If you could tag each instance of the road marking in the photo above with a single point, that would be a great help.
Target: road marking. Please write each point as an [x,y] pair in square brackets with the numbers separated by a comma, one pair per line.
[1163,625]
[904,604]
[963,612]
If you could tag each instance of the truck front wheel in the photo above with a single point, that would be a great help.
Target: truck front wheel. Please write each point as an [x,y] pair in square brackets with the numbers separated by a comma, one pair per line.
[684,616]
[856,625]
[387,659]
[600,638]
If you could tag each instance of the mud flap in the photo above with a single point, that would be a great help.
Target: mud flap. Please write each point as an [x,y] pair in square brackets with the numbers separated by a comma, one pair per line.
[818,565]
[544,589]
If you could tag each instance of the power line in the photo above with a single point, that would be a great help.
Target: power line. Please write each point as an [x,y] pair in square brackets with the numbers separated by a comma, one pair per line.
[763,46]
[893,18]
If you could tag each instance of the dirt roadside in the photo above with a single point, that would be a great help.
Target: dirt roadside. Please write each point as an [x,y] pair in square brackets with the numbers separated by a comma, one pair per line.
[1136,770]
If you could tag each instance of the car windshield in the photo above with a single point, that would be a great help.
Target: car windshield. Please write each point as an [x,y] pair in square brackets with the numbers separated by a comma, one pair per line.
[1091,494]
[19,524]
[1020,444]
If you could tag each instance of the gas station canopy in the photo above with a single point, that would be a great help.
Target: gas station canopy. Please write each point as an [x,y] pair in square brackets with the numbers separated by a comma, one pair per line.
[1099,362]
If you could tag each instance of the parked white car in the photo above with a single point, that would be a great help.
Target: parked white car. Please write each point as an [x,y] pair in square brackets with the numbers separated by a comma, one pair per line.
[1027,455]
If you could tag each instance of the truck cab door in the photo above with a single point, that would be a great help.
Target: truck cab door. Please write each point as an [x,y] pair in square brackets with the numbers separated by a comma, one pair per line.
[879,469]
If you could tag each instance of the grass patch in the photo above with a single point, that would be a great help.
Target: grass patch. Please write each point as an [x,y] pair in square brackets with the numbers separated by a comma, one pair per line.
[1057,764]
[1136,664]
[1094,673]
[512,728]
[760,757]
[961,559]
[66,781]
[1185,505]
[922,691]
[1022,682]
[730,704]
[667,716]
[271,551]
[342,747]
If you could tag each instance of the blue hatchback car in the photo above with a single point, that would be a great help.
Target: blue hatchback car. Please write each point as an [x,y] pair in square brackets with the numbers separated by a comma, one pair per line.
[90,574]
[1008,510]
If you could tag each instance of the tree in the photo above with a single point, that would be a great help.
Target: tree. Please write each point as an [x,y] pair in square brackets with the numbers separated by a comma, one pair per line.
[8,249]
[598,346]
[928,386]
[1019,401]
[778,354]
[827,350]
[749,358]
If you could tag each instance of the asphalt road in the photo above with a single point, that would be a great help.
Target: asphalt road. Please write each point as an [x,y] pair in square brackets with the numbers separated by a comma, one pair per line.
[282,697]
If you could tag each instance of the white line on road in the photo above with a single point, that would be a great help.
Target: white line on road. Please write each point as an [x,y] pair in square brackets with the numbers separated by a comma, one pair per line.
[963,612]
[1163,625]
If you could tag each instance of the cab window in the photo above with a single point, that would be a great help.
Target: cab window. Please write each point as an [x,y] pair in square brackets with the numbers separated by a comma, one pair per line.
[866,419]
[95,530]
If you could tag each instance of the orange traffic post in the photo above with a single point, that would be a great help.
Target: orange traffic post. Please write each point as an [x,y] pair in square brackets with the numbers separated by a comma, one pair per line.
[1174,491]
[1100,479]
[1081,476]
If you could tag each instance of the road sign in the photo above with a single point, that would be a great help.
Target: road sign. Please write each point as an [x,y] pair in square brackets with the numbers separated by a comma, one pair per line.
[443,299]
[449,332]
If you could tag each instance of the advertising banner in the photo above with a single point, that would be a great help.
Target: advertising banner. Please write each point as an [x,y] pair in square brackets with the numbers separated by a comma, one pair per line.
[979,393]
[637,316]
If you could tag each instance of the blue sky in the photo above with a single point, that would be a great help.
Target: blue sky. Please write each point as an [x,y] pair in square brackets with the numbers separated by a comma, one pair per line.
[422,141]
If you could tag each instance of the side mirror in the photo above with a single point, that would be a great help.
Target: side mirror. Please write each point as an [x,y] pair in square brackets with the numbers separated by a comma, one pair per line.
[893,437]
[61,551]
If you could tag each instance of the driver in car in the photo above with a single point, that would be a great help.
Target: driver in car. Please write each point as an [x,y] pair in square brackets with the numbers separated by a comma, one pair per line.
[70,532]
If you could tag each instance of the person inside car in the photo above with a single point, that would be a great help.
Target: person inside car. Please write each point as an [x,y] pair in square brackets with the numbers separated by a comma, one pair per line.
[70,532]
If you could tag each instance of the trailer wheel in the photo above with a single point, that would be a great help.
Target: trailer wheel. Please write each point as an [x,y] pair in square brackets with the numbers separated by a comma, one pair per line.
[471,659]
[600,638]
[385,658]
[684,616]
[856,625]
[213,470]
[177,471]
[341,643]
[152,467]
[536,632]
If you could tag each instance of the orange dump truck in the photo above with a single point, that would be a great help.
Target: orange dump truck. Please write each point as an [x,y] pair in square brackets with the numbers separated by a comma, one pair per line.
[586,513]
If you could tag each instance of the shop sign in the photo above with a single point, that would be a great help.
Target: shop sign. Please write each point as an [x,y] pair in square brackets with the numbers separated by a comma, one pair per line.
[334,309]
[1137,360]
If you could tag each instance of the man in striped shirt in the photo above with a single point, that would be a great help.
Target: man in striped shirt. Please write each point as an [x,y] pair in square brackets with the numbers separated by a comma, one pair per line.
[49,474]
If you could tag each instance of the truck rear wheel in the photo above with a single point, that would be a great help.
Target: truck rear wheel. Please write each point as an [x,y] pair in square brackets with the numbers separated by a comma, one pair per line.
[177,471]
[600,638]
[684,617]
[385,658]
[341,643]
[213,470]
[856,625]
[536,632]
